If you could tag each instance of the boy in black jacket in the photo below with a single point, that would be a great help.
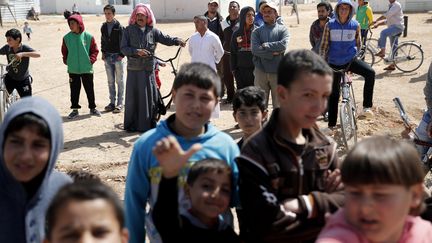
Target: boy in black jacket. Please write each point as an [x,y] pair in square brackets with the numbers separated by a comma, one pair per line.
[112,32]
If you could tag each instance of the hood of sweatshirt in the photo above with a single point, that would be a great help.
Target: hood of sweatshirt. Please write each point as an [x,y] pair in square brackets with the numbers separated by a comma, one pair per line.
[351,14]
[78,19]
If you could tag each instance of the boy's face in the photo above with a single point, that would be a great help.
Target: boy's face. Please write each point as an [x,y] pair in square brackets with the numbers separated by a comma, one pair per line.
[74,26]
[322,13]
[305,99]
[379,211]
[210,196]
[109,15]
[344,11]
[26,153]
[12,42]
[193,109]
[249,118]
[87,221]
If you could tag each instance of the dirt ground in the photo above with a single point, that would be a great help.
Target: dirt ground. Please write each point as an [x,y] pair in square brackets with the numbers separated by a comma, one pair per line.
[98,145]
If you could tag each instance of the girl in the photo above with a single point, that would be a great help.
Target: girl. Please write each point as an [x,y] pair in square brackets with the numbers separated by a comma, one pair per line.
[384,191]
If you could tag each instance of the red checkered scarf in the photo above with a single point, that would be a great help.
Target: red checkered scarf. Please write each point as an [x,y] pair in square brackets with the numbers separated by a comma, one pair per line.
[142,9]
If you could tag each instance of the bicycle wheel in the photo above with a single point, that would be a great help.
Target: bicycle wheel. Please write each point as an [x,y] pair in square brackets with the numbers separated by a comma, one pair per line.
[352,101]
[373,46]
[348,125]
[368,57]
[408,57]
[3,104]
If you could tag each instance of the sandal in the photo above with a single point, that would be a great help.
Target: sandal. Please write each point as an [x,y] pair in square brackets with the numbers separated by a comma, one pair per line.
[380,54]
[390,68]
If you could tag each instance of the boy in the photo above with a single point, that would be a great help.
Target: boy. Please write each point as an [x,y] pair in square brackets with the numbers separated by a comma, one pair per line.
[112,32]
[18,57]
[85,211]
[364,16]
[79,52]
[195,92]
[31,137]
[288,171]
[249,105]
[208,186]
[27,30]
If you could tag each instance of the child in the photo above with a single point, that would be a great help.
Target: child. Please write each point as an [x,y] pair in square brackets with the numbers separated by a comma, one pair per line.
[364,16]
[384,192]
[195,92]
[249,105]
[288,170]
[208,186]
[112,32]
[18,56]
[27,30]
[86,211]
[31,137]
[79,52]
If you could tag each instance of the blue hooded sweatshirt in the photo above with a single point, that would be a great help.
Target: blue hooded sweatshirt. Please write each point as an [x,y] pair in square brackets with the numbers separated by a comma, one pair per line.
[22,217]
[144,174]
[342,46]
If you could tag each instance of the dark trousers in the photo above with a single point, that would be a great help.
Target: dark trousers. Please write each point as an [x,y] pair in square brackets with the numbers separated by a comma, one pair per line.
[23,87]
[244,77]
[364,33]
[227,77]
[358,67]
[75,88]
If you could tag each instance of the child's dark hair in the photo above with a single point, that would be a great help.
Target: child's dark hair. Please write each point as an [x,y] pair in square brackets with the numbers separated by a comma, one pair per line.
[14,34]
[249,96]
[382,160]
[84,190]
[28,119]
[207,165]
[326,5]
[298,62]
[109,7]
[81,175]
[200,75]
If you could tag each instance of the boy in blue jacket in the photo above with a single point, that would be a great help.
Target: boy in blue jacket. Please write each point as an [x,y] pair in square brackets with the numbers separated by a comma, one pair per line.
[195,92]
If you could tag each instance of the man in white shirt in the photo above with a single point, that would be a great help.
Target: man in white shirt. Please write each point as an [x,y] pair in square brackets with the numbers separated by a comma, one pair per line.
[205,46]
[395,25]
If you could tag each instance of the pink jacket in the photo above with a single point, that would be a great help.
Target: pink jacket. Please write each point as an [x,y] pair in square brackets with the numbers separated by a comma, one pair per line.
[337,230]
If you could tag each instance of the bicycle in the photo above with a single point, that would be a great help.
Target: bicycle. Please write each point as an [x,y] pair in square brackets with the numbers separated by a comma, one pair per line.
[407,56]
[347,109]
[6,99]
[427,157]
[162,111]
[368,51]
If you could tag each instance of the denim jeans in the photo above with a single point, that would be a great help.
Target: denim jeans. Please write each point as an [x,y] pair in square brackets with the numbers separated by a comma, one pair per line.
[115,74]
[390,32]
[422,133]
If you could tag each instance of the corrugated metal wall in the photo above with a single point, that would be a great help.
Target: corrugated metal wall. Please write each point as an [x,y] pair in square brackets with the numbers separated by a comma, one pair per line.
[19,9]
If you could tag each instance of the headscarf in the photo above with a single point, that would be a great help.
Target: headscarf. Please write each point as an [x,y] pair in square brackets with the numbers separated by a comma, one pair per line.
[145,9]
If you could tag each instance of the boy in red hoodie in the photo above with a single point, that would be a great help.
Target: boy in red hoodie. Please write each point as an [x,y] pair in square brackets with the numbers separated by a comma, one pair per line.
[79,52]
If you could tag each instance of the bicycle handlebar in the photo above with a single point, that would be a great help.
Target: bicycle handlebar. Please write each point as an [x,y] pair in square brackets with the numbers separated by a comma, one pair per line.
[172,58]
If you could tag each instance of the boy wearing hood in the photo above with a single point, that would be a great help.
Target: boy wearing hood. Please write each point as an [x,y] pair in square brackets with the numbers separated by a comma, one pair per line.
[31,137]
[79,51]
[340,43]
[242,65]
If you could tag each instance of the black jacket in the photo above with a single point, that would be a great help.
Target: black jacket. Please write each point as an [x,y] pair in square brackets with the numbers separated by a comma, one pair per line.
[111,43]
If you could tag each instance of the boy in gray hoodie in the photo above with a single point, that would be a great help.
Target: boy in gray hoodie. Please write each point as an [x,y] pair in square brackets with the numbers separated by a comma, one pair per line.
[31,137]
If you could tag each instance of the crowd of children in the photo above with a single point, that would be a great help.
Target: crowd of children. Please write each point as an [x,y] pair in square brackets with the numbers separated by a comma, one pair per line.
[283,177]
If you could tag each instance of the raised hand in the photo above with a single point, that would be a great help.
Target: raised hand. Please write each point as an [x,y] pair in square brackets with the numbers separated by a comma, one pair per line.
[171,156]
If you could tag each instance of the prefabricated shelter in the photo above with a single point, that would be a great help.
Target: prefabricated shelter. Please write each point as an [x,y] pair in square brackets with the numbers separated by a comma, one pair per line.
[16,8]
[88,6]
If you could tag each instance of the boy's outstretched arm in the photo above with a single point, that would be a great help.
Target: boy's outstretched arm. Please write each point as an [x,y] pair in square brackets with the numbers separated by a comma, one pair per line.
[33,54]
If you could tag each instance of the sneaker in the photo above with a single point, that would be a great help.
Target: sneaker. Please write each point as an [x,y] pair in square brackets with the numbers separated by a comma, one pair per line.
[73,114]
[110,107]
[95,112]
[367,114]
[118,109]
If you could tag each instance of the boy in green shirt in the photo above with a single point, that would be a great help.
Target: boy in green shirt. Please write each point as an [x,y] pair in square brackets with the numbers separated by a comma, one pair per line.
[364,16]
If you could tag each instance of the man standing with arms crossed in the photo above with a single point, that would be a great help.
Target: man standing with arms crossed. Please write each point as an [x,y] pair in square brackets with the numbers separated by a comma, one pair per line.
[269,43]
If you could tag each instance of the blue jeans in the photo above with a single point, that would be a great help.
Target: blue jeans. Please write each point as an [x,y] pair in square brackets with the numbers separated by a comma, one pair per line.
[115,74]
[421,131]
[391,33]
